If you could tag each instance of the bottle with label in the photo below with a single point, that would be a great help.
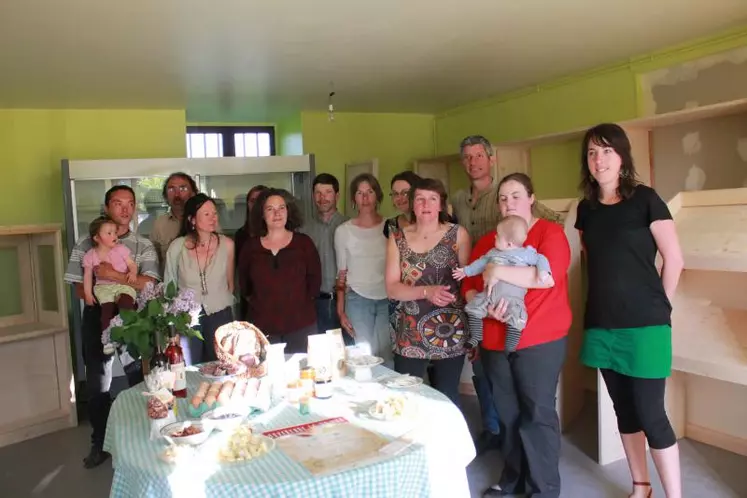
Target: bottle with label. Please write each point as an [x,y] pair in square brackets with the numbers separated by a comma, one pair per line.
[159,360]
[176,364]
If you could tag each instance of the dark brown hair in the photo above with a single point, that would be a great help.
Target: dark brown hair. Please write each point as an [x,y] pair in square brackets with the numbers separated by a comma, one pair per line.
[608,135]
[191,207]
[294,221]
[371,180]
[183,176]
[248,218]
[95,227]
[431,185]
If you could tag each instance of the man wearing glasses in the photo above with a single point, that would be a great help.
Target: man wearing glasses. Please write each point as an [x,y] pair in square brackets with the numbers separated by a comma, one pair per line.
[178,188]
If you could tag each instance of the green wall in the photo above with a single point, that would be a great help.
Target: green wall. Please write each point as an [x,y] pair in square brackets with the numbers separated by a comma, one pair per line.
[396,140]
[33,142]
[609,93]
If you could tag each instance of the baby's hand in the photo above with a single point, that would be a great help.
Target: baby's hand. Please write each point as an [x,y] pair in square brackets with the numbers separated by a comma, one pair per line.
[89,300]
[131,277]
[458,274]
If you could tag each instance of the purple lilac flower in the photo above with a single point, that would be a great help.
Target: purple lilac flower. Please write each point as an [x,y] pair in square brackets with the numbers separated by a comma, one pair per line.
[149,292]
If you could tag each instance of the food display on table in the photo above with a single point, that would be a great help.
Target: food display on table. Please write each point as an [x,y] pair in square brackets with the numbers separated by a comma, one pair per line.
[190,432]
[221,370]
[242,342]
[364,361]
[389,408]
[238,392]
[403,381]
[244,445]
[225,418]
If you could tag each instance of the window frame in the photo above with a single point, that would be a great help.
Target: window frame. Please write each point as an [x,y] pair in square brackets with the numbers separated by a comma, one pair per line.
[227,132]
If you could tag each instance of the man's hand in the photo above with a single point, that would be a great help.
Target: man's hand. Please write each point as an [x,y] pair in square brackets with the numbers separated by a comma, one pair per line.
[105,271]
[88,298]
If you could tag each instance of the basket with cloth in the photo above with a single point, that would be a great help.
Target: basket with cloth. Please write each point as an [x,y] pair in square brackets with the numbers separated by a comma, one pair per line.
[242,342]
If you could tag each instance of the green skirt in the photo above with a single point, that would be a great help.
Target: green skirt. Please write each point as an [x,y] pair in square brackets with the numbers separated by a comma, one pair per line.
[644,352]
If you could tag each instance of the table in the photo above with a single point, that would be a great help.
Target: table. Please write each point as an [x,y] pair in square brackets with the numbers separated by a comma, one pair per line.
[434,466]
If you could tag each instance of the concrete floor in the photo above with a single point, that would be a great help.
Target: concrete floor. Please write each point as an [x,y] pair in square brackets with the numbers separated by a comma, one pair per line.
[51,466]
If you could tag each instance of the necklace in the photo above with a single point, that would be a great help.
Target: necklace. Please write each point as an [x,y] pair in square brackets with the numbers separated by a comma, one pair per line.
[203,270]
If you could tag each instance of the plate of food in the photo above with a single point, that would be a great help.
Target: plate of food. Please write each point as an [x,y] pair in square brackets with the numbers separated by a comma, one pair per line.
[190,432]
[244,445]
[364,361]
[402,381]
[221,370]
[389,408]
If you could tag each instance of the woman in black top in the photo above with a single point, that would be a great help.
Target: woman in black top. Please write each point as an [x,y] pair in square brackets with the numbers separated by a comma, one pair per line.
[628,328]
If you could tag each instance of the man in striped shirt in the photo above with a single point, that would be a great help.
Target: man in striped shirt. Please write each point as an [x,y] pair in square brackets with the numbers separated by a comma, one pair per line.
[120,206]
[476,209]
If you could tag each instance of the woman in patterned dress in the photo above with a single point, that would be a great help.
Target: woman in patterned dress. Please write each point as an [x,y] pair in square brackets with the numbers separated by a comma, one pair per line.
[432,326]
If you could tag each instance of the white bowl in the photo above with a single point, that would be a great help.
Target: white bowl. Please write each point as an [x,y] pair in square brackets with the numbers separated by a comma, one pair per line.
[193,440]
[224,418]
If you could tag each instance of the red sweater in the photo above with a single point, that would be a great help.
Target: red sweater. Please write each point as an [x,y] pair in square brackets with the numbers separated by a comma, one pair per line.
[549,310]
[282,288]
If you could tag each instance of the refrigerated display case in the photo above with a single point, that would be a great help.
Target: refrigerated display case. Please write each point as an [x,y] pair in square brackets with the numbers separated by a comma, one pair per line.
[226,179]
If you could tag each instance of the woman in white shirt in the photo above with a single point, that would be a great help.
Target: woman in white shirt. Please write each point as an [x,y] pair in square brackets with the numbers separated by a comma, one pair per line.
[360,247]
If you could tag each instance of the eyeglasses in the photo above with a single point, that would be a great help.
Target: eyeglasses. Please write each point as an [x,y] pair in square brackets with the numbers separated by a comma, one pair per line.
[181,188]
[394,193]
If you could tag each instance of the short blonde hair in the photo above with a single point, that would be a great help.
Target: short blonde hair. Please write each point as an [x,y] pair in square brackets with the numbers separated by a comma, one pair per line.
[513,229]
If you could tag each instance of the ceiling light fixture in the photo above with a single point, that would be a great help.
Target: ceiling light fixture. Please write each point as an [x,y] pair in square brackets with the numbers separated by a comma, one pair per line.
[330,105]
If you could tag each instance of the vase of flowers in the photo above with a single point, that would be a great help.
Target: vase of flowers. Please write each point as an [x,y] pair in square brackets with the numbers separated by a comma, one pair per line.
[158,307]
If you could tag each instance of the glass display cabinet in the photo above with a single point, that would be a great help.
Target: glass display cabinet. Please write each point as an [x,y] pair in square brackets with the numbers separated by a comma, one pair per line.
[36,376]
[227,179]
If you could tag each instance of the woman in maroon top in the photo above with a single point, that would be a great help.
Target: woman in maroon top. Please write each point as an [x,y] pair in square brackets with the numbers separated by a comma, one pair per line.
[280,272]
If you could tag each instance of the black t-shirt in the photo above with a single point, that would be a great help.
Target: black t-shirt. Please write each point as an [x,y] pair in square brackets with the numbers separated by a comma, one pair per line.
[624,286]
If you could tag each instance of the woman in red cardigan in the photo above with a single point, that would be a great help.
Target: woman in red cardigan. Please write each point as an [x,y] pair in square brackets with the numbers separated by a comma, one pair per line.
[525,381]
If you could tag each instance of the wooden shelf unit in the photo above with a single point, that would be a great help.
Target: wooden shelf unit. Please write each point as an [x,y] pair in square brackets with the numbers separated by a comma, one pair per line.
[35,358]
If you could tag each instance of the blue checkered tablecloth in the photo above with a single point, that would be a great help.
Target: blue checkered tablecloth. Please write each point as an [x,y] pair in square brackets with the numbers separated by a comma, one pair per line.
[139,472]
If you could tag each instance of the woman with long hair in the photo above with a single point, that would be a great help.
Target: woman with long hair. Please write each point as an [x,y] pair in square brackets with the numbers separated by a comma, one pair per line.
[628,332]
[280,272]
[202,259]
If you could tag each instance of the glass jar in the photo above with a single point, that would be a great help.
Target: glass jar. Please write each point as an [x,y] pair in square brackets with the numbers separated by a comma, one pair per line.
[323,388]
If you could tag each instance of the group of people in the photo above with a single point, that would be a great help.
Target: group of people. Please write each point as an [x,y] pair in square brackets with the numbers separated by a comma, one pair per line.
[484,277]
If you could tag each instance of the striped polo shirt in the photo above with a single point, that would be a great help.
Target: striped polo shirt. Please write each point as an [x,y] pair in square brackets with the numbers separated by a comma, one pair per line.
[144,255]
[323,235]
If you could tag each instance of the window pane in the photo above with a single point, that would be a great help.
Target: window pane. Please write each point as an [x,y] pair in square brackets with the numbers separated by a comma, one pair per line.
[189,146]
[213,145]
[238,143]
[250,144]
[263,140]
[197,141]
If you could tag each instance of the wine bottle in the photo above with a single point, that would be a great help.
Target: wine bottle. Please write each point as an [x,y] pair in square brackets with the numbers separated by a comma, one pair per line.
[159,358]
[175,357]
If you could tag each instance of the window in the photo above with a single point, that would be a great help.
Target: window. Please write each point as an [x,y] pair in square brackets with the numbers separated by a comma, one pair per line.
[230,141]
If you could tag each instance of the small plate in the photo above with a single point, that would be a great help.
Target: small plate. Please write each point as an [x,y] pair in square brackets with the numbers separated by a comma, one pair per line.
[364,361]
[403,381]
[241,370]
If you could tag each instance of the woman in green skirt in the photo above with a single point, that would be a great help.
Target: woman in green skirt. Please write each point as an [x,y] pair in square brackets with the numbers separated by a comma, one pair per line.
[628,326]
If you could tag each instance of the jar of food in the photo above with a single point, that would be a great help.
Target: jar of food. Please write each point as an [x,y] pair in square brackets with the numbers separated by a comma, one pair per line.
[307,380]
[323,388]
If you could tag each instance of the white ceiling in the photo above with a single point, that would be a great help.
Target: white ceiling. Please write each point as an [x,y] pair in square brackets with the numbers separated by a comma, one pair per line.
[256,60]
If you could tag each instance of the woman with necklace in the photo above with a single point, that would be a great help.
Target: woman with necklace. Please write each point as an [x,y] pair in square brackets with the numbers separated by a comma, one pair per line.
[280,272]
[432,328]
[203,260]
[360,249]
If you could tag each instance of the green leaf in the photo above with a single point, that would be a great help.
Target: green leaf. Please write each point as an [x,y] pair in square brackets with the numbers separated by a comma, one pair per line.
[155,308]
[170,290]
[128,316]
[196,333]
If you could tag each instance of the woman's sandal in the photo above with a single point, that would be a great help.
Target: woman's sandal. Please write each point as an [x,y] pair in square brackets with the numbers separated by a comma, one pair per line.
[650,491]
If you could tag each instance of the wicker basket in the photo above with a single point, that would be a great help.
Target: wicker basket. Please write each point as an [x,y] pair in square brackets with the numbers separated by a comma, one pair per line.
[236,339]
